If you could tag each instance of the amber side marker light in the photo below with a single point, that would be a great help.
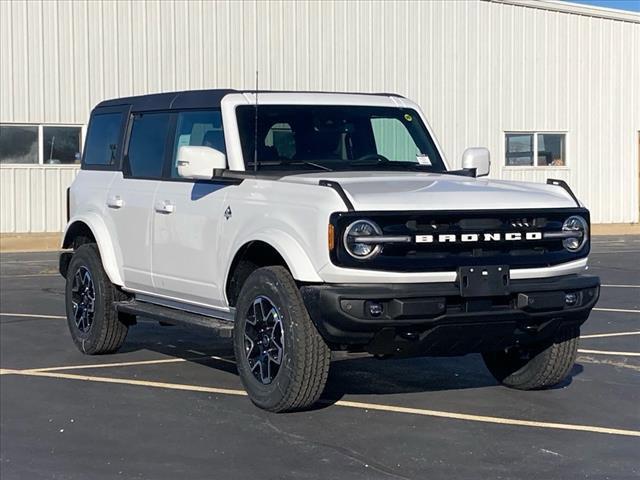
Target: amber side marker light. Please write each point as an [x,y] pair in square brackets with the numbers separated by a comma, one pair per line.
[331,237]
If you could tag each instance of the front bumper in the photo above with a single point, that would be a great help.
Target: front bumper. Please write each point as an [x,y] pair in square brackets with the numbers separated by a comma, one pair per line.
[435,319]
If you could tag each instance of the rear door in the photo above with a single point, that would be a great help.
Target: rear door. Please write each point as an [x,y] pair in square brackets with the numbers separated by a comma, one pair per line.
[130,198]
[187,218]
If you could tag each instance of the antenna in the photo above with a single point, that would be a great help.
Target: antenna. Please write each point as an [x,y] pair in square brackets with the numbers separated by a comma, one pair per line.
[255,130]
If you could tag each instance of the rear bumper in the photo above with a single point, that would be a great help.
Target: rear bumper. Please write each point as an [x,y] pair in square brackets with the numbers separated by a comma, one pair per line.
[434,319]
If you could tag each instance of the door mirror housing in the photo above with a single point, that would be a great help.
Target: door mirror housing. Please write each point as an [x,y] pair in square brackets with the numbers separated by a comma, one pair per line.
[199,162]
[477,158]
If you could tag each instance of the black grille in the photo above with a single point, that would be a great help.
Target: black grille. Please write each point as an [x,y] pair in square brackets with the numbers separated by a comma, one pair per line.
[419,257]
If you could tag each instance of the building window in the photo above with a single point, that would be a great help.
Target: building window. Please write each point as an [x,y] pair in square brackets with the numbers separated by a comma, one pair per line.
[19,144]
[549,149]
[61,144]
[40,144]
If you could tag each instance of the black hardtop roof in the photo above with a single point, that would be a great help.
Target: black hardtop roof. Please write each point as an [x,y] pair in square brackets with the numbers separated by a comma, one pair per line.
[197,99]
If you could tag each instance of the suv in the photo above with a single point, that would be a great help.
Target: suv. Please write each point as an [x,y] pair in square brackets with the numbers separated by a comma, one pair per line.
[301,223]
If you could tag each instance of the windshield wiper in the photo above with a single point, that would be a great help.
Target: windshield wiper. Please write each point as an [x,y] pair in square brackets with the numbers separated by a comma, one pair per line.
[278,163]
[312,164]
[385,163]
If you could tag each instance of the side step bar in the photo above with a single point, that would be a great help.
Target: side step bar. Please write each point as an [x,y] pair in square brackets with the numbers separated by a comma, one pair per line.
[223,328]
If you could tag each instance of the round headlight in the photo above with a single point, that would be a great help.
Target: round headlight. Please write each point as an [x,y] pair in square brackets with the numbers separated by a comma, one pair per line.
[355,240]
[577,225]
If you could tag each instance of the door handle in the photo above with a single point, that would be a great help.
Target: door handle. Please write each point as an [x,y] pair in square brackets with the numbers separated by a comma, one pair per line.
[165,206]
[115,202]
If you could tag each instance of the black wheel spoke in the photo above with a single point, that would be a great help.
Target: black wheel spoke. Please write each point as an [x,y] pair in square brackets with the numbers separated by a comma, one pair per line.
[264,339]
[83,299]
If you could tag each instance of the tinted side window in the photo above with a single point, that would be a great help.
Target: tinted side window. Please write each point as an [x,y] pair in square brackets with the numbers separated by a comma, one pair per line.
[102,139]
[201,128]
[145,156]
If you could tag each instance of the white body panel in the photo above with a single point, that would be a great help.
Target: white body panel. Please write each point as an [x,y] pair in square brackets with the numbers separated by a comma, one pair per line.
[176,240]
[88,205]
[185,255]
[129,205]
[427,191]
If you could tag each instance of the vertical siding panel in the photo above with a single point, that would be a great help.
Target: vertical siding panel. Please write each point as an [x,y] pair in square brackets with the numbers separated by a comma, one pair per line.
[211,49]
[37,199]
[19,70]
[7,208]
[66,91]
[179,19]
[123,48]
[6,58]
[289,47]
[51,90]
[79,105]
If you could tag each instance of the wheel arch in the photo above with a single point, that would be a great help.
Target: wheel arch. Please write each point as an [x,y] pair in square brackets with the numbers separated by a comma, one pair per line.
[265,251]
[91,226]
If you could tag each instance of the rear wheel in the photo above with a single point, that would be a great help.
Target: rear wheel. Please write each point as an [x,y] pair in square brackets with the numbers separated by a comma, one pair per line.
[93,321]
[282,360]
[538,366]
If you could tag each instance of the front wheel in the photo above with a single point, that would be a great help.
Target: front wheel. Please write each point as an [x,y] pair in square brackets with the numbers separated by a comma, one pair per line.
[538,366]
[282,360]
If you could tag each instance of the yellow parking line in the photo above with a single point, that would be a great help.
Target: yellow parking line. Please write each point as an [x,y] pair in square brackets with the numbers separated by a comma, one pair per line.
[621,286]
[620,310]
[341,403]
[603,335]
[487,419]
[31,275]
[129,364]
[57,317]
[22,262]
[607,352]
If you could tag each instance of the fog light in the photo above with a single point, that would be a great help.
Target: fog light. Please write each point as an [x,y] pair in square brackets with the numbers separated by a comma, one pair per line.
[375,309]
[571,299]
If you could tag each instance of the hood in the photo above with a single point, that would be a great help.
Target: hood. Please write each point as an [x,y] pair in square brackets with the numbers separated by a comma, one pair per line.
[380,191]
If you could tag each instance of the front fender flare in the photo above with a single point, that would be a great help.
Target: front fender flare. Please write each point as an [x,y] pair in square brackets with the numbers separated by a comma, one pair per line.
[289,249]
[110,255]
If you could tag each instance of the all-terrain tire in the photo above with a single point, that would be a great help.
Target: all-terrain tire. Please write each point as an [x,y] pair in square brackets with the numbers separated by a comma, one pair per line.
[107,330]
[304,367]
[536,367]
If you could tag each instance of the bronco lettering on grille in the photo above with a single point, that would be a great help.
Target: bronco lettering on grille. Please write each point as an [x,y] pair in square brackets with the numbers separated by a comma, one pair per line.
[479,237]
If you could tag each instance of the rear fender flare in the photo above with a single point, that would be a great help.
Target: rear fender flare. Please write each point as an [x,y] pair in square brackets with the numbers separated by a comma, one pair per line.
[110,255]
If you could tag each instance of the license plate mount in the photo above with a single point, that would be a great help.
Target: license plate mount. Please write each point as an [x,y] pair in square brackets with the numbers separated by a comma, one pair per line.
[484,281]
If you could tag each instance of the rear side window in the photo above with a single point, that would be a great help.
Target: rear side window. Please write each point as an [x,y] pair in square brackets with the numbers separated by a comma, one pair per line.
[101,146]
[147,145]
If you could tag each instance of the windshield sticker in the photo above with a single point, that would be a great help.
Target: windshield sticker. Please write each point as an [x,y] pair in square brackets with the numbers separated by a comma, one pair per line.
[408,117]
[423,159]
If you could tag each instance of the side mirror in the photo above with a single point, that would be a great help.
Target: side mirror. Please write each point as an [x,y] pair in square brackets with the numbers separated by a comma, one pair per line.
[199,162]
[477,158]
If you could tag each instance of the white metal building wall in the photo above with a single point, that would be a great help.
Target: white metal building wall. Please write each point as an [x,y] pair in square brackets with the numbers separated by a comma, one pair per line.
[478,69]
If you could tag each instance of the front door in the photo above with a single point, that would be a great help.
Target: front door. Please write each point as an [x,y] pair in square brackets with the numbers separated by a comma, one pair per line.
[131,194]
[187,217]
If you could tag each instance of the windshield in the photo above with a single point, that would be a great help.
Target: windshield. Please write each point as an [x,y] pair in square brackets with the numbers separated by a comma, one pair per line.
[318,137]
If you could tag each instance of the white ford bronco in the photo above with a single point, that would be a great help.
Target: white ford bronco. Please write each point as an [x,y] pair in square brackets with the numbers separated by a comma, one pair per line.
[301,223]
